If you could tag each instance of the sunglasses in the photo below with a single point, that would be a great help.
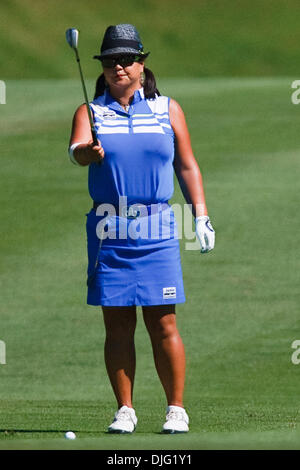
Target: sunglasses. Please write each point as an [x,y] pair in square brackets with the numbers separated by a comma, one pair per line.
[123,60]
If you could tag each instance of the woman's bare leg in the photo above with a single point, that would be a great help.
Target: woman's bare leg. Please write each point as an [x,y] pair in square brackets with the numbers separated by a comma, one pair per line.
[168,350]
[119,351]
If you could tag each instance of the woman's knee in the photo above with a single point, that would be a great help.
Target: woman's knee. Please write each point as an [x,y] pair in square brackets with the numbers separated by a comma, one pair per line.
[160,323]
[120,322]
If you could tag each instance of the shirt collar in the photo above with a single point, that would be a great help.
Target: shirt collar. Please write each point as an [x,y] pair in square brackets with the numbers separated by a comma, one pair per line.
[113,104]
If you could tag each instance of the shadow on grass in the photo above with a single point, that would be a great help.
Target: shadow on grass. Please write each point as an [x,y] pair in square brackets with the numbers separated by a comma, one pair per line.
[16,430]
[10,432]
[13,431]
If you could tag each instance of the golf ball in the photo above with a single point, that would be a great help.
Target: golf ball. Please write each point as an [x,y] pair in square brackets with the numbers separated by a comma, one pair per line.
[70,435]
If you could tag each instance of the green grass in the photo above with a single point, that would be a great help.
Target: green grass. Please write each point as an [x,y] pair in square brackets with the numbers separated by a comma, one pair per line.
[242,309]
[197,38]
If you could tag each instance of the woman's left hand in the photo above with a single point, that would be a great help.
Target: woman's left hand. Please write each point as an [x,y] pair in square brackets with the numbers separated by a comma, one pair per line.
[205,233]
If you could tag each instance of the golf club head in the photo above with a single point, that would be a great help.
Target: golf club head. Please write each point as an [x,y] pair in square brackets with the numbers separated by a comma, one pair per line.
[72,37]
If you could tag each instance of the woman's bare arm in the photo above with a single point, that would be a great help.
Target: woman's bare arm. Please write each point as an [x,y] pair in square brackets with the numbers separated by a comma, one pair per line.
[86,152]
[185,164]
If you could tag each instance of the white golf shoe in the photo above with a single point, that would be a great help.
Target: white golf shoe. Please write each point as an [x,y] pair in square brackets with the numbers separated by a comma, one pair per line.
[177,420]
[124,421]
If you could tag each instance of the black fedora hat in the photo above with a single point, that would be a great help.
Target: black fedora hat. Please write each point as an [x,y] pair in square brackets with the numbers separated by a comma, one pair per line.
[121,39]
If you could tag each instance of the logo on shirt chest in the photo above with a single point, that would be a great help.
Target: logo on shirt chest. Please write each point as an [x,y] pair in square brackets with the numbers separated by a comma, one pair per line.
[109,114]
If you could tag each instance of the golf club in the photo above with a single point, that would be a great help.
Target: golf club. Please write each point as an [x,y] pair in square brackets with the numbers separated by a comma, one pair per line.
[72,40]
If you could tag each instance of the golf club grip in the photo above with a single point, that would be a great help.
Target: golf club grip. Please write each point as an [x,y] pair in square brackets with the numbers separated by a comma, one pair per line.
[94,135]
[95,141]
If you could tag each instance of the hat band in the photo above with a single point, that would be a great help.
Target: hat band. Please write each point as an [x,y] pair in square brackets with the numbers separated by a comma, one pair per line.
[112,43]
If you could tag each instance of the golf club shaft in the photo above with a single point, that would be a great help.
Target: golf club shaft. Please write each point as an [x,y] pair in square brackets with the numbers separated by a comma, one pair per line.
[93,131]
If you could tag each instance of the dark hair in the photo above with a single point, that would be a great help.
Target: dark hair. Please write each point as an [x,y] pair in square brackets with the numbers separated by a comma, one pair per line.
[149,85]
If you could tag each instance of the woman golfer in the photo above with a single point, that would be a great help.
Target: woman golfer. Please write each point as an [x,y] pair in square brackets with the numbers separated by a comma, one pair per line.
[133,247]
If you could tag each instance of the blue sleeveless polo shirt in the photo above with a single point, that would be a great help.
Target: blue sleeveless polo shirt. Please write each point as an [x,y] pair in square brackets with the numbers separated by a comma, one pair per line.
[139,150]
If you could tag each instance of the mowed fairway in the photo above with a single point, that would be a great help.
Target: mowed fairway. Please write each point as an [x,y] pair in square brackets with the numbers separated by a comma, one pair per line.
[242,309]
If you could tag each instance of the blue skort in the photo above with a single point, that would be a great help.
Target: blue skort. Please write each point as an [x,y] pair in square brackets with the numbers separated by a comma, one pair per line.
[141,269]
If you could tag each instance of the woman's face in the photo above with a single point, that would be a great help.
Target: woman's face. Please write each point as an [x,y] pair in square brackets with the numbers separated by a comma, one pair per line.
[123,76]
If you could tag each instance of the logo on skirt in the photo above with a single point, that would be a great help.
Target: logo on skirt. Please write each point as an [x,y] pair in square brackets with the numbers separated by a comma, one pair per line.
[169,292]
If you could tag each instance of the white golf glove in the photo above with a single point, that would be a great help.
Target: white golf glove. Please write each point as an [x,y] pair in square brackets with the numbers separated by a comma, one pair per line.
[205,233]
